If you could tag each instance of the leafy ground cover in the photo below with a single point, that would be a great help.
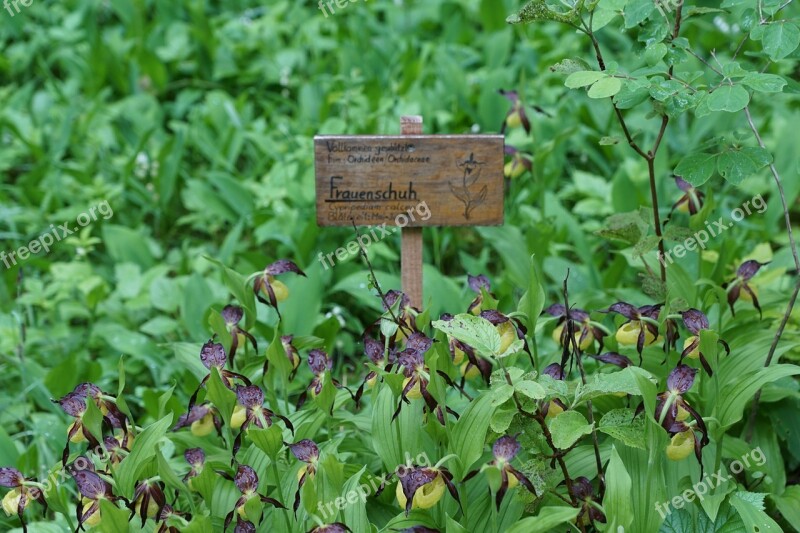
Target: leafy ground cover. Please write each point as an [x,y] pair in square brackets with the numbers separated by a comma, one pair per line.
[559,376]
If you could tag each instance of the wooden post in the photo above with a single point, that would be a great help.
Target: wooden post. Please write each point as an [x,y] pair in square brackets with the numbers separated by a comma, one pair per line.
[411,239]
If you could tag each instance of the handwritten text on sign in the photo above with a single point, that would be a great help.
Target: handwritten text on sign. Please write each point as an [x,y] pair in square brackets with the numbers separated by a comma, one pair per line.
[372,179]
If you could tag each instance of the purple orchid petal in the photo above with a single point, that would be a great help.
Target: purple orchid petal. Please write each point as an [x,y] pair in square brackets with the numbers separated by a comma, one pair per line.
[319,362]
[625,309]
[11,477]
[419,342]
[554,371]
[681,378]
[305,450]
[196,457]
[614,358]
[73,404]
[695,320]
[282,266]
[250,397]
[246,479]
[556,310]
[476,283]
[682,184]
[90,485]
[232,314]
[244,526]
[505,448]
[374,350]
[493,316]
[748,269]
[213,355]
[197,413]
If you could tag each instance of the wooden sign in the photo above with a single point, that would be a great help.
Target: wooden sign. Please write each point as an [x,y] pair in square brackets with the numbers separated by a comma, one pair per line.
[409,180]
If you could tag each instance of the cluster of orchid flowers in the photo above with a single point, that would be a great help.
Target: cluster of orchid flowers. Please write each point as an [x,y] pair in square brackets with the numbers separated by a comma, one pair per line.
[399,346]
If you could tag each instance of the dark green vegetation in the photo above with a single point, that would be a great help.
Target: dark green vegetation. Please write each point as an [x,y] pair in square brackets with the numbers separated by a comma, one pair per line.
[193,123]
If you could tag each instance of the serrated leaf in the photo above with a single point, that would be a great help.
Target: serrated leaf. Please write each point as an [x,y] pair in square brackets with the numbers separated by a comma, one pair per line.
[623,426]
[472,330]
[570,65]
[531,389]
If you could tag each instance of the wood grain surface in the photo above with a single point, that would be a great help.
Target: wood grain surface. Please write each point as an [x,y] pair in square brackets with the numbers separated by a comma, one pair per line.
[409,180]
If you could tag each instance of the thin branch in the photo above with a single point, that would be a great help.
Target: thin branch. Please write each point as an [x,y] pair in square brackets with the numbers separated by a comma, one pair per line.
[793,299]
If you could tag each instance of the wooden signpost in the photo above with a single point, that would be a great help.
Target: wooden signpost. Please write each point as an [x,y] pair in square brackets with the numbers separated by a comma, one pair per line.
[371,180]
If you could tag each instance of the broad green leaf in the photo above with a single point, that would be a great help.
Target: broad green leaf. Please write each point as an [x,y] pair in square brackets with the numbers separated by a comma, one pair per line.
[114,519]
[531,389]
[567,428]
[735,397]
[468,437]
[143,450]
[788,503]
[547,519]
[472,330]
[736,164]
[617,500]
[623,426]
[605,88]
[583,78]
[622,381]
[765,83]
[268,440]
[780,39]
[730,98]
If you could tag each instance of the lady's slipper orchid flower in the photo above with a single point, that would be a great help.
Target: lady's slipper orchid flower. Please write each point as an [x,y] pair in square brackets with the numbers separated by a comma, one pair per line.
[92,489]
[251,397]
[583,492]
[518,164]
[244,526]
[232,315]
[148,500]
[202,419]
[695,321]
[584,331]
[266,284]
[671,409]
[415,385]
[692,200]
[478,284]
[212,355]
[421,487]
[168,512]
[516,116]
[196,458]
[306,451]
[744,274]
[22,492]
[555,406]
[505,449]
[640,329]
[246,480]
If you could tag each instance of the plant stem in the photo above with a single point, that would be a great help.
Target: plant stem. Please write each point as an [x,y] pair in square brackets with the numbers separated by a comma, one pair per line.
[793,299]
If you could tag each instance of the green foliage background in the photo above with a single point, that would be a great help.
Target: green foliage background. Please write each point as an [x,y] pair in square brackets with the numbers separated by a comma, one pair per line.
[195,120]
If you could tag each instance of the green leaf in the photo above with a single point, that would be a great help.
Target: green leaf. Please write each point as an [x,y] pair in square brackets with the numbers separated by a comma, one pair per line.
[697,168]
[604,384]
[583,78]
[617,500]
[605,88]
[780,39]
[623,426]
[355,514]
[114,519]
[538,10]
[568,427]
[730,98]
[468,437]
[268,440]
[734,398]
[547,519]
[531,389]
[144,449]
[221,396]
[765,83]
[532,302]
[472,330]
[637,11]
[788,504]
[736,164]
[751,510]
